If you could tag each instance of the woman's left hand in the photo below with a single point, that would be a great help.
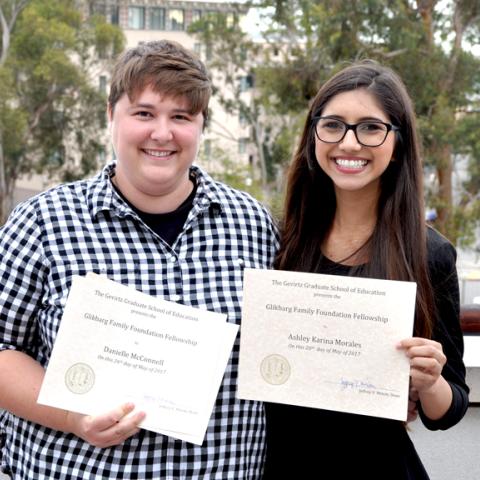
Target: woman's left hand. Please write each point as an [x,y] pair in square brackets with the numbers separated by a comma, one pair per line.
[426,362]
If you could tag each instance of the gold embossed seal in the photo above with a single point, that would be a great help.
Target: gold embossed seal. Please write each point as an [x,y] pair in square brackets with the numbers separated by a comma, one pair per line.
[80,378]
[275,369]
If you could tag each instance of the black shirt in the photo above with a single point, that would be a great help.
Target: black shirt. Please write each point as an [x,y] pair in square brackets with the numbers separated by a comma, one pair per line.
[308,443]
[166,225]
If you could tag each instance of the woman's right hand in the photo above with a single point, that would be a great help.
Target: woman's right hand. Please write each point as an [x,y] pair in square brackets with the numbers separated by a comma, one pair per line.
[108,429]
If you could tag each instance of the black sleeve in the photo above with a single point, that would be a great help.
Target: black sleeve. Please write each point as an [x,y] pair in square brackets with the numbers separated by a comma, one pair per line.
[447,331]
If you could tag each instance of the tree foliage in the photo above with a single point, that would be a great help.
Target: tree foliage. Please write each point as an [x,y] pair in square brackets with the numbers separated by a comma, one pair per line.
[52,113]
[426,41]
[235,59]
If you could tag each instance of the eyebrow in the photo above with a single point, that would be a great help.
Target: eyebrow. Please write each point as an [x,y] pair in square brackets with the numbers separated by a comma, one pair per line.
[151,106]
[142,105]
[360,120]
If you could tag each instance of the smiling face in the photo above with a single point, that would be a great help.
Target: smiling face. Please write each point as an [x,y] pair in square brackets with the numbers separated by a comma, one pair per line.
[155,140]
[350,165]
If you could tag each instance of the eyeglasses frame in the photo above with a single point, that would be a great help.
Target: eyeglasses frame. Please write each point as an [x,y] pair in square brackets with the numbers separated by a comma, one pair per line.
[353,126]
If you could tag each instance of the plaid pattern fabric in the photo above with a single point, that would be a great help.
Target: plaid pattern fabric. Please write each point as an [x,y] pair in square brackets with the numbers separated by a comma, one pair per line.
[86,227]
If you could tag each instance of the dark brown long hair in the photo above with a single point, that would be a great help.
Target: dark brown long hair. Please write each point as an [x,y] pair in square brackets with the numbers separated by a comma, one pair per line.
[397,248]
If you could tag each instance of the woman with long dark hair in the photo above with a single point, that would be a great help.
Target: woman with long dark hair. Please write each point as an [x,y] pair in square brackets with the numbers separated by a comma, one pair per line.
[354,206]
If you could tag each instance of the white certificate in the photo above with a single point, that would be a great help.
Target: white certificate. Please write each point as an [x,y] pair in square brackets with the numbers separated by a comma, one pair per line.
[471,357]
[116,344]
[326,341]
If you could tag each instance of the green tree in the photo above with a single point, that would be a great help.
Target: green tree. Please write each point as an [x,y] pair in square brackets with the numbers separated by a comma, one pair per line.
[427,42]
[52,113]
[234,58]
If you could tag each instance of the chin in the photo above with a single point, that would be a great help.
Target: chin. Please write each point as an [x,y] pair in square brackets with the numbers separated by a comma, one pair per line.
[349,187]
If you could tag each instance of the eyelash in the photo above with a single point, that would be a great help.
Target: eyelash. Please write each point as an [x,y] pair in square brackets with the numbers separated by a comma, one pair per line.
[143,114]
[146,114]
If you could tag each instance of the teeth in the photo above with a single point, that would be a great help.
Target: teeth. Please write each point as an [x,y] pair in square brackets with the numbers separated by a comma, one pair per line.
[157,153]
[350,163]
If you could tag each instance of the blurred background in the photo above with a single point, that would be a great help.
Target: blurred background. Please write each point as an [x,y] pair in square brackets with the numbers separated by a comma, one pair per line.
[267,60]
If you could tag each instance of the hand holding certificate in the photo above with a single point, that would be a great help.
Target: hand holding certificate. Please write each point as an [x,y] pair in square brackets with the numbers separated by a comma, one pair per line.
[326,341]
[116,344]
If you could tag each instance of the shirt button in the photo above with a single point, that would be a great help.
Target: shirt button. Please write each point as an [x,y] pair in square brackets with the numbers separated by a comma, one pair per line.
[175,298]
[172,259]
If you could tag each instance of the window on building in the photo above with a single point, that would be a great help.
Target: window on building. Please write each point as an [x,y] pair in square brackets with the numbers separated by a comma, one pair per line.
[213,15]
[136,18]
[97,8]
[242,119]
[157,18]
[208,51]
[196,15]
[242,145]
[212,18]
[109,12]
[176,19]
[243,52]
[207,148]
[246,82]
[230,19]
[114,15]
[102,84]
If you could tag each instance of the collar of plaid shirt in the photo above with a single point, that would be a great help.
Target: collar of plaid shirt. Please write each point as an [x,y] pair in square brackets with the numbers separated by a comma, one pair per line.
[104,197]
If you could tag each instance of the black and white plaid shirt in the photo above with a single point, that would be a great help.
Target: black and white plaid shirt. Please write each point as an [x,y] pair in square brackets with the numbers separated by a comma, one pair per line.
[86,227]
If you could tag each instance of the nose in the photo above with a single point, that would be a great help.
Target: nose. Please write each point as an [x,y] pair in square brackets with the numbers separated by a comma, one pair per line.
[162,131]
[350,141]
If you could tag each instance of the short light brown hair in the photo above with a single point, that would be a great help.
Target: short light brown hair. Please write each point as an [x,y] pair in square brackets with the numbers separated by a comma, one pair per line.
[166,66]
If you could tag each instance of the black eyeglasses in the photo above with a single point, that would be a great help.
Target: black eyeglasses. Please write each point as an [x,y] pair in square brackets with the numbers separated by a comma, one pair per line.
[371,133]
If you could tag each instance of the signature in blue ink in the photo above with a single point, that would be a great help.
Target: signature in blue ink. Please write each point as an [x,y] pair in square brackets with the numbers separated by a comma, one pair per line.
[355,384]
